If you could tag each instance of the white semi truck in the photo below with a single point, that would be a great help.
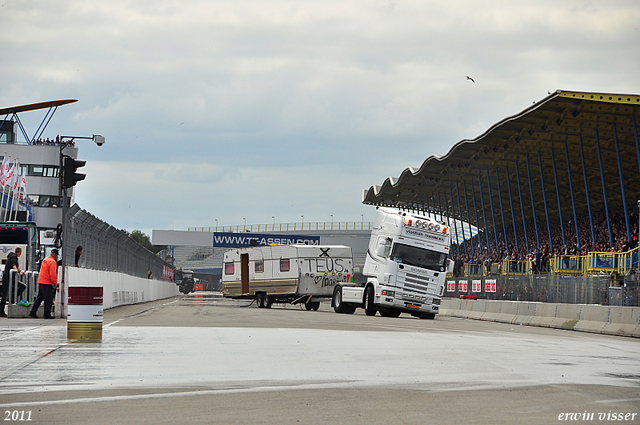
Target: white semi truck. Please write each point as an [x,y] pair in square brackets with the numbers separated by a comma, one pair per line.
[405,268]
[297,274]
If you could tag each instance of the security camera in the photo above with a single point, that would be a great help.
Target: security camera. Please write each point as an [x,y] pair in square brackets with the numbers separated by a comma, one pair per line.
[98,139]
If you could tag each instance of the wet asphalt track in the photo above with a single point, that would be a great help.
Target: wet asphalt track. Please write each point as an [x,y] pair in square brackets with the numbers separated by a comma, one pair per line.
[205,359]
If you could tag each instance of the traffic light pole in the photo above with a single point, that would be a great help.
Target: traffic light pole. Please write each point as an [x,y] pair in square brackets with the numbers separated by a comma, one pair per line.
[62,192]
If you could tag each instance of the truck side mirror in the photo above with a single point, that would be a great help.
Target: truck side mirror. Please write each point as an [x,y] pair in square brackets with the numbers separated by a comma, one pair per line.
[381,250]
[450,265]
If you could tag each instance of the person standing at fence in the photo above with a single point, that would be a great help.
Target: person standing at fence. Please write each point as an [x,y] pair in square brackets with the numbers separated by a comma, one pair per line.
[47,283]
[78,254]
[11,264]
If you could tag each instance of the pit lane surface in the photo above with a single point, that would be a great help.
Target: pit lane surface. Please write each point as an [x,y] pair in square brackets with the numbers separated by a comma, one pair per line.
[205,359]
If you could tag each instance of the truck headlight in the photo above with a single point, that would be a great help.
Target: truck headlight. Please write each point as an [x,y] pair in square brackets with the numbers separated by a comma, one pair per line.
[388,293]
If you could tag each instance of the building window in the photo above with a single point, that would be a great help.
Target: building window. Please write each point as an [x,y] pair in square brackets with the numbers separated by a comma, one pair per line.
[259,266]
[47,201]
[228,268]
[42,170]
[284,265]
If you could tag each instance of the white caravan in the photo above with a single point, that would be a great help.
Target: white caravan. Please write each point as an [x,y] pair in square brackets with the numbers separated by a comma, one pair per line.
[405,269]
[286,273]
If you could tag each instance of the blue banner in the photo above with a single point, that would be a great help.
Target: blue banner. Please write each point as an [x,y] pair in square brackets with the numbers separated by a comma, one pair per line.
[243,240]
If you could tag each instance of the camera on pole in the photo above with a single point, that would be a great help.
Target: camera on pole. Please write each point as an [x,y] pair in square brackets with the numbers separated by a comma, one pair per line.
[69,175]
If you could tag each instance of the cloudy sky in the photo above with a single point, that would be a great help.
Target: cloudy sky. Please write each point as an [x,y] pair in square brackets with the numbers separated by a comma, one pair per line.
[231,110]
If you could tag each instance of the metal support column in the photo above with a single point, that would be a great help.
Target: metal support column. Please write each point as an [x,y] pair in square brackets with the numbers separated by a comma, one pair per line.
[466,201]
[475,208]
[533,204]
[493,215]
[513,216]
[624,199]
[455,227]
[573,198]
[586,191]
[455,224]
[524,223]
[635,136]
[604,189]
[555,179]
[440,204]
[484,214]
[544,198]
[464,238]
[504,226]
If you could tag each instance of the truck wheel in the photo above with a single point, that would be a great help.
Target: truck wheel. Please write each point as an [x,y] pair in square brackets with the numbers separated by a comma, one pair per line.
[260,299]
[267,301]
[369,307]
[338,307]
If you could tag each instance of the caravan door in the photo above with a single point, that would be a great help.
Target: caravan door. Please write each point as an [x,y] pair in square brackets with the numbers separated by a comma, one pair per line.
[244,273]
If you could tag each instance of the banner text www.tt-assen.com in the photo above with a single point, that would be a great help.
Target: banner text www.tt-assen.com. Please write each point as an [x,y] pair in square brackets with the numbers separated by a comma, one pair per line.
[240,240]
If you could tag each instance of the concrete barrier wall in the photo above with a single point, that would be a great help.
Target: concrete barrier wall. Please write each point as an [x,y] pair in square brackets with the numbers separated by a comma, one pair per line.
[623,321]
[121,289]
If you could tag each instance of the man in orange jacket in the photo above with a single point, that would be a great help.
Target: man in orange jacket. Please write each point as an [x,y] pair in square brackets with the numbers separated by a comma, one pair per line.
[47,283]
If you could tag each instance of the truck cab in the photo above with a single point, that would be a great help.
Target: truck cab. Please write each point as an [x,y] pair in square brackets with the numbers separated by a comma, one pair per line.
[405,268]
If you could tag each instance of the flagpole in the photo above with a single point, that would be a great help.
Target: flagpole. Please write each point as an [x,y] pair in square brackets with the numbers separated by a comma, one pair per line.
[11,187]
[5,204]
[4,168]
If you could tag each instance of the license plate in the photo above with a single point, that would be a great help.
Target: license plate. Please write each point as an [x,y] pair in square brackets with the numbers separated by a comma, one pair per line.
[413,306]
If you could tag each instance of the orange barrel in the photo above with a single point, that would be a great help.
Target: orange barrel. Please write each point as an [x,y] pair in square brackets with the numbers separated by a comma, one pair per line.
[84,318]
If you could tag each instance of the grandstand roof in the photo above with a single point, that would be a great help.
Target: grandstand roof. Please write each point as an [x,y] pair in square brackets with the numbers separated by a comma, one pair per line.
[551,130]
[35,106]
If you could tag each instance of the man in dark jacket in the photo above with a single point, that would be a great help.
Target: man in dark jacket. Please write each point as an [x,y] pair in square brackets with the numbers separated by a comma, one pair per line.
[11,264]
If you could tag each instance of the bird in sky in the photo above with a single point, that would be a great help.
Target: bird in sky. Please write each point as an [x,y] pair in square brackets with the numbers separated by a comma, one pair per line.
[472,80]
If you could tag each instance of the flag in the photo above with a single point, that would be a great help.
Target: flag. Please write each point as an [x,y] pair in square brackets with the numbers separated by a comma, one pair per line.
[16,181]
[23,185]
[7,178]
[4,168]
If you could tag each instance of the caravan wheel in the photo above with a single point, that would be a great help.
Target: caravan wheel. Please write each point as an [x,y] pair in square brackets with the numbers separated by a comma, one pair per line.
[267,301]
[260,299]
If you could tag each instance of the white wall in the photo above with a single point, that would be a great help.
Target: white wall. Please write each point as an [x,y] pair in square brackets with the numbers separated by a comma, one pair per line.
[121,289]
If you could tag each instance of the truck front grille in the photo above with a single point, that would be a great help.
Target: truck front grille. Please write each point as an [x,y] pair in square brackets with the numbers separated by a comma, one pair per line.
[419,283]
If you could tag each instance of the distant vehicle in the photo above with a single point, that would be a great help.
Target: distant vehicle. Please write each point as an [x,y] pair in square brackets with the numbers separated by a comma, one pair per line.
[185,280]
[405,268]
[298,274]
[24,235]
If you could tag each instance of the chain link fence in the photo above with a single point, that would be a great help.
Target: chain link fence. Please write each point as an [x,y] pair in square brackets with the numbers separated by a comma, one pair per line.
[107,248]
[541,288]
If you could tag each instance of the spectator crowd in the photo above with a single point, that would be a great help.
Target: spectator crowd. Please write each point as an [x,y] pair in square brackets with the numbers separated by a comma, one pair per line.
[541,254]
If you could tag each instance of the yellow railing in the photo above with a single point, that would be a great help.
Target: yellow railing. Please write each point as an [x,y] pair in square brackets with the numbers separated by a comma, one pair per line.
[568,265]
[513,267]
[287,227]
[611,262]
[475,270]
[628,259]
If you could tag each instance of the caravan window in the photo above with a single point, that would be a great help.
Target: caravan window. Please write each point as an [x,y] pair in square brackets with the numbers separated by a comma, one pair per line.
[284,265]
[259,266]
[228,268]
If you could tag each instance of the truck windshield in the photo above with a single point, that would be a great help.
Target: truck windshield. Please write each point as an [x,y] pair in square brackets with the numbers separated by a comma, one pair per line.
[419,257]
